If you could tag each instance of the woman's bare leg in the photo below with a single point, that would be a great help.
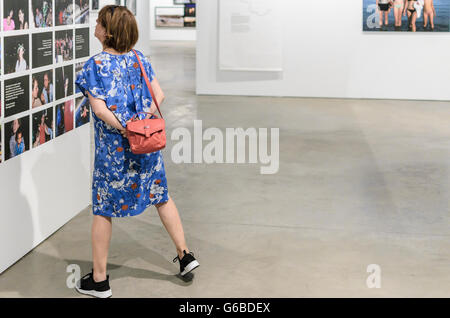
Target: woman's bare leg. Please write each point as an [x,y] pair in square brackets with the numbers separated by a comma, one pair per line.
[425,20]
[101,237]
[169,216]
[413,21]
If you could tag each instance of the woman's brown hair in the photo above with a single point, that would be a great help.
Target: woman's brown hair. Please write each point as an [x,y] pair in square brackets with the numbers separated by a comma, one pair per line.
[121,27]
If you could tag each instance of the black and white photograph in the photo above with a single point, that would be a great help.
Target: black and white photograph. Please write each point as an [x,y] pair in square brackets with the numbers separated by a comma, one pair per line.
[81,11]
[16,53]
[42,88]
[64,81]
[63,12]
[82,111]
[42,44]
[41,13]
[17,134]
[82,42]
[15,15]
[63,46]
[17,95]
[64,114]
[42,127]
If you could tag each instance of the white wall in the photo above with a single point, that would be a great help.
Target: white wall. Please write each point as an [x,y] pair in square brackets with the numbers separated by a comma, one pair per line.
[185,34]
[326,54]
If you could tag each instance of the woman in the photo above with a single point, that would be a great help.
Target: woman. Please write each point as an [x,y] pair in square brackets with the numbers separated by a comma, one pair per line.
[20,144]
[398,11]
[47,92]
[429,13]
[412,14]
[124,184]
[35,100]
[384,7]
[21,64]
[23,25]
[8,22]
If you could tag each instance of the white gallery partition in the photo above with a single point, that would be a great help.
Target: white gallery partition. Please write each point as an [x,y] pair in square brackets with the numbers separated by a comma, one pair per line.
[45,122]
[325,53]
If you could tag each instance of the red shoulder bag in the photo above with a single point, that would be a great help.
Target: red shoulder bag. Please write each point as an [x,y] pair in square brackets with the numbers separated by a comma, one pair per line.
[146,135]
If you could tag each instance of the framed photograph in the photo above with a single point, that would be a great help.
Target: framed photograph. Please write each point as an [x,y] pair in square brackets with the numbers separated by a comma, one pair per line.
[17,137]
[63,12]
[169,17]
[42,88]
[130,4]
[81,11]
[41,13]
[64,46]
[82,111]
[95,5]
[64,82]
[178,2]
[15,15]
[420,16]
[42,127]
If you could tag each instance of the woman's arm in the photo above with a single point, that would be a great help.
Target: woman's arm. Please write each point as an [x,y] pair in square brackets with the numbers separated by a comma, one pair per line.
[102,112]
[159,95]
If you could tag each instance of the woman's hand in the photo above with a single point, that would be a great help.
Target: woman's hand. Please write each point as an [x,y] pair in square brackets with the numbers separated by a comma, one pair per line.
[124,133]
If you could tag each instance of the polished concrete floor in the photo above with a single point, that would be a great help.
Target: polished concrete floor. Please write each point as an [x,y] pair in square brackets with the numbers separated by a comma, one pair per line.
[360,182]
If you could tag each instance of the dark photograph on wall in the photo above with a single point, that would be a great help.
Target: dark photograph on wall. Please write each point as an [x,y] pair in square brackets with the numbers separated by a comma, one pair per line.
[42,44]
[1,144]
[63,12]
[78,68]
[63,46]
[81,11]
[82,111]
[16,54]
[42,13]
[95,5]
[64,81]
[15,15]
[17,92]
[42,127]
[17,134]
[41,88]
[64,117]
[183,1]
[81,43]
[189,10]
[407,16]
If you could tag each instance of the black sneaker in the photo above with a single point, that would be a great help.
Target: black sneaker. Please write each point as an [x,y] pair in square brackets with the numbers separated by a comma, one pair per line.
[188,263]
[87,286]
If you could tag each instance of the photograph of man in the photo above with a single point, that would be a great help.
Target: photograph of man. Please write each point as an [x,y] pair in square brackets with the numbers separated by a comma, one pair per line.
[82,112]
[81,11]
[42,127]
[16,133]
[64,117]
[16,53]
[42,88]
[64,81]
[63,46]
[42,13]
[63,12]
[15,15]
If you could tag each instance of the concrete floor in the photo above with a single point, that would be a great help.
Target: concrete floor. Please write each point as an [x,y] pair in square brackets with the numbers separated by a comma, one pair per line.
[360,182]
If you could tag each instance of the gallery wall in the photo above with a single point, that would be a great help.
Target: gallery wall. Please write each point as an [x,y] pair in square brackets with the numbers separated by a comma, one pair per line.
[45,133]
[325,53]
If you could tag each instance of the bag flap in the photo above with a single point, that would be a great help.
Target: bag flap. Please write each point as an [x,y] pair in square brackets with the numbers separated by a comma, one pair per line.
[146,126]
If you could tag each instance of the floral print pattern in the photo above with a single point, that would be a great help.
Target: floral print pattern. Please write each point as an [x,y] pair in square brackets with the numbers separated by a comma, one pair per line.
[123,184]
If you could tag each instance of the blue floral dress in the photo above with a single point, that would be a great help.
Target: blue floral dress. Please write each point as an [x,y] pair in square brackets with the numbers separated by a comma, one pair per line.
[123,184]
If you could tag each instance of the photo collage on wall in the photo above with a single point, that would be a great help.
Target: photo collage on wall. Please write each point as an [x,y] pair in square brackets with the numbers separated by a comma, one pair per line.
[183,15]
[43,43]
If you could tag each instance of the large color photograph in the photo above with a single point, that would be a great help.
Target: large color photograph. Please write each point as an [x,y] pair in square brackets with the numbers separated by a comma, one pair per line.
[406,15]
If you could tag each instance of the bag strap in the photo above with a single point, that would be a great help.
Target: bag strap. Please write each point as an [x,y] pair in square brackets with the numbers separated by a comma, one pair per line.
[149,86]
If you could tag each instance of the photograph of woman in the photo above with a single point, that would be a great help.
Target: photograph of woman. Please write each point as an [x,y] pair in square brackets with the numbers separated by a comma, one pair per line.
[124,184]
[406,15]
[21,64]
[16,53]
[42,127]
[16,132]
[35,98]
[42,13]
[15,15]
[64,117]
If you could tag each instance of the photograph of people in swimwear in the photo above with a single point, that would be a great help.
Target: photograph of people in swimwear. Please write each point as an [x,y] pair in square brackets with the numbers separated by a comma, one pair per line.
[406,15]
[42,13]
[15,15]
[43,127]
[16,137]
